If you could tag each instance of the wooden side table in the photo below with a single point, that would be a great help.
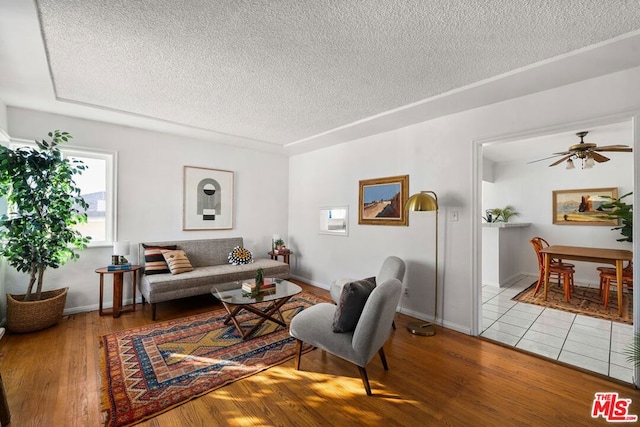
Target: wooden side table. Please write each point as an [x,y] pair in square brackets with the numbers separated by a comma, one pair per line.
[118,281]
[284,255]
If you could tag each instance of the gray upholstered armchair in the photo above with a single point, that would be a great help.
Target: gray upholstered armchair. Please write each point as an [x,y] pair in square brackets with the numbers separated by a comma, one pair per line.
[392,268]
[314,326]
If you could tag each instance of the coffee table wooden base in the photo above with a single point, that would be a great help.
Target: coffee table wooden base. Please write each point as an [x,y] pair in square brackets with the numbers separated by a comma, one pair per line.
[265,315]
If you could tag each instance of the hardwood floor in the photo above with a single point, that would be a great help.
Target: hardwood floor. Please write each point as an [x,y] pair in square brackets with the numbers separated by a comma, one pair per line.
[52,378]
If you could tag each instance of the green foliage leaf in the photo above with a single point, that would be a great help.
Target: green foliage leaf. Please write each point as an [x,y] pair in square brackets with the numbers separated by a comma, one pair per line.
[632,351]
[623,212]
[501,215]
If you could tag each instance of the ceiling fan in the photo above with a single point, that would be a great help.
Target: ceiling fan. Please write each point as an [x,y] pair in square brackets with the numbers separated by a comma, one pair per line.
[587,152]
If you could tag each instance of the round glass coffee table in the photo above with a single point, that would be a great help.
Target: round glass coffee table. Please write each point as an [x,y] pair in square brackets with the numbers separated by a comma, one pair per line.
[236,300]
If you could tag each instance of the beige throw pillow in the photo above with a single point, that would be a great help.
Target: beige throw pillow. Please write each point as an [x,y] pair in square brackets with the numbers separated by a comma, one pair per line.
[177,261]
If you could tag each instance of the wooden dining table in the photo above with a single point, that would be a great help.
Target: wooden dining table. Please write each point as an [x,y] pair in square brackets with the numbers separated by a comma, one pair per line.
[579,253]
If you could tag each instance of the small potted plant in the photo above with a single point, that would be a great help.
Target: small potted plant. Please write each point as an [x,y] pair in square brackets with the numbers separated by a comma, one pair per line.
[259,279]
[279,244]
[501,215]
[44,205]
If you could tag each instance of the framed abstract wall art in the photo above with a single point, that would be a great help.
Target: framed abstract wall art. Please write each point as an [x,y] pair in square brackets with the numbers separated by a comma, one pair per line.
[382,201]
[207,199]
[583,206]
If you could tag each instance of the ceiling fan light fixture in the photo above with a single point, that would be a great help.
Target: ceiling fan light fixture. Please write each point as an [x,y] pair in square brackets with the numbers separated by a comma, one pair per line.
[587,152]
[588,164]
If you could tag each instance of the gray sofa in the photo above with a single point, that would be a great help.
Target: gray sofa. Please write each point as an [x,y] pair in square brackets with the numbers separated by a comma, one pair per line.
[209,258]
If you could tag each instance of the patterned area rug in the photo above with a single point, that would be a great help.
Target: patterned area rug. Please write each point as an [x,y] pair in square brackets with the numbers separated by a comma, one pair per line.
[584,300]
[151,369]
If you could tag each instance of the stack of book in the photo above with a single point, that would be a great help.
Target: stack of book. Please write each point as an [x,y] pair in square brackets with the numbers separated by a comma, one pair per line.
[118,267]
[250,288]
[268,286]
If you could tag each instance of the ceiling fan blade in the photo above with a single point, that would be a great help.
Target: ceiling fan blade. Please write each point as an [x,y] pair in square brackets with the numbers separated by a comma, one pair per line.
[563,153]
[612,146]
[561,160]
[615,148]
[599,157]
[539,160]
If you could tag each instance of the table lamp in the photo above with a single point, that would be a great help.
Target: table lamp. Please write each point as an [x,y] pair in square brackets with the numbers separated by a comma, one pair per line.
[120,250]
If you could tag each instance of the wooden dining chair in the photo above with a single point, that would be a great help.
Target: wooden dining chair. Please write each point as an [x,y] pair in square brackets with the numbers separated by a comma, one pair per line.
[559,270]
[612,271]
[609,278]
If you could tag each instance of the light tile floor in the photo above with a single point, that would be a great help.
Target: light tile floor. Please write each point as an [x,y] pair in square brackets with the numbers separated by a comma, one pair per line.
[586,342]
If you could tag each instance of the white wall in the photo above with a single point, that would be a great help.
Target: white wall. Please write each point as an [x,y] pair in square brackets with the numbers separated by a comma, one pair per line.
[501,251]
[529,188]
[3,117]
[437,155]
[150,170]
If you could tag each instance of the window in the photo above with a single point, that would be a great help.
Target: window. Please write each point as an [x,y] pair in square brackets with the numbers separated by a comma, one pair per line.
[98,191]
[97,183]
[334,220]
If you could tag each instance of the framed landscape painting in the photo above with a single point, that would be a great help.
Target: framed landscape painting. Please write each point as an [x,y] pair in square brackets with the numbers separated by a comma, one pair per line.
[382,201]
[583,206]
[207,199]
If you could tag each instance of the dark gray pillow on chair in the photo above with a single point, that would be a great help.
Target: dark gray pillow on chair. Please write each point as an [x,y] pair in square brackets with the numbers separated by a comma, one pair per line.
[352,300]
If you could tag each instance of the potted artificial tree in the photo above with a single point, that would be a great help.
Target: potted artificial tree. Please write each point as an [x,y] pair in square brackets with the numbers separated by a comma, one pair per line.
[43,206]
[623,212]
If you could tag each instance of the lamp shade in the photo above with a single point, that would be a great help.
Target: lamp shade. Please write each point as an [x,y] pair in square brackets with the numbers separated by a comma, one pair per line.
[588,164]
[422,202]
[121,248]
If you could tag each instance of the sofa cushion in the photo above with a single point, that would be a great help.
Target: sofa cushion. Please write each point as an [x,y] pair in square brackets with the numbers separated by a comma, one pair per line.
[240,255]
[352,300]
[154,262]
[177,261]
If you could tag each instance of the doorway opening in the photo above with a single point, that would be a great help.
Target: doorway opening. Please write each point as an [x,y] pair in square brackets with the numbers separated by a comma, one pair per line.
[509,176]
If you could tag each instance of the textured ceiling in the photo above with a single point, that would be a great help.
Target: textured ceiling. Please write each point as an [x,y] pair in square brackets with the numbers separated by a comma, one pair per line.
[285,72]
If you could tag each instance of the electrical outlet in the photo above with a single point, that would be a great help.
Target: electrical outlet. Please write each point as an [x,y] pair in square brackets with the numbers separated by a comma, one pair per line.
[406,291]
[454,215]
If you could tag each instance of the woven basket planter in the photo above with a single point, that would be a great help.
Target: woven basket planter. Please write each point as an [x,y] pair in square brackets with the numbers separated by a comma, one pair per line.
[31,316]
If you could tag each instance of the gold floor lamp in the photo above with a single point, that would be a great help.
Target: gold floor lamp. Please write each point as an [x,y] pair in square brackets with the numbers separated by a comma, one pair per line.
[425,201]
